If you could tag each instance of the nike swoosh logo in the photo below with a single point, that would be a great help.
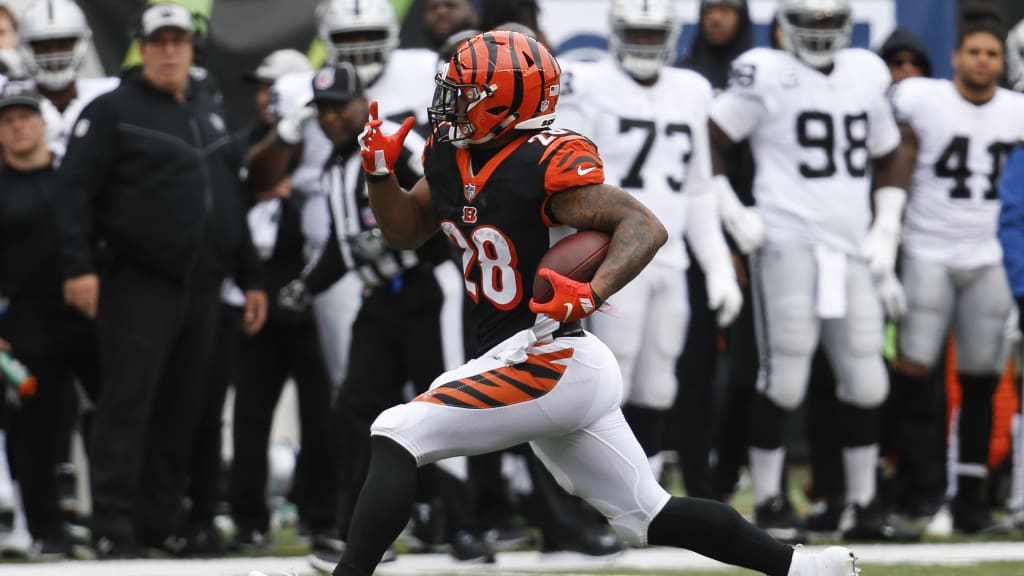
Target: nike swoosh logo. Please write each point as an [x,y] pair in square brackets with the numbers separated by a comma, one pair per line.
[568,311]
[582,172]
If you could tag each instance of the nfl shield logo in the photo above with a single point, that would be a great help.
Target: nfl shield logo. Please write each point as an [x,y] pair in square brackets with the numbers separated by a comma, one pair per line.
[470,192]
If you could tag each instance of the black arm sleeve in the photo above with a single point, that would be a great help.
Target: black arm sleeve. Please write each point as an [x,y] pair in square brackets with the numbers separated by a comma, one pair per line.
[81,178]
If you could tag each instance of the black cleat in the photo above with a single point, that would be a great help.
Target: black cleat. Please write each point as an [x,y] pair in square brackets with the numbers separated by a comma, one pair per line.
[975,518]
[776,517]
[872,524]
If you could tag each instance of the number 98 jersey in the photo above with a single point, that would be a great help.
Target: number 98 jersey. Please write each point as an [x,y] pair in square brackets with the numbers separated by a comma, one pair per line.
[813,136]
[492,205]
[952,213]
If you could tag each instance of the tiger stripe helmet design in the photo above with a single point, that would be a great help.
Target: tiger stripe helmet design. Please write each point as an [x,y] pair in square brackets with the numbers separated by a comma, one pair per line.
[497,82]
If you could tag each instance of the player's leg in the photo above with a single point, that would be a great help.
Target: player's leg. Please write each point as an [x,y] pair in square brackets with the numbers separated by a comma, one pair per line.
[604,464]
[627,332]
[483,406]
[854,346]
[655,385]
[787,333]
[984,306]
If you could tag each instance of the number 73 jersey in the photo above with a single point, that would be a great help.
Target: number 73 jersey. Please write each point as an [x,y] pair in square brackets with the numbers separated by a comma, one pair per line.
[953,211]
[653,139]
[813,136]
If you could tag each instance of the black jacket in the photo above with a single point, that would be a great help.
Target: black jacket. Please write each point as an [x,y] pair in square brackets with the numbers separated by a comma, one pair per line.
[29,239]
[156,182]
[713,62]
[903,39]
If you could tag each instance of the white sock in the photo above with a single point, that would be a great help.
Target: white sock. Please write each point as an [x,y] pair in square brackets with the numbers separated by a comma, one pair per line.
[766,472]
[859,463]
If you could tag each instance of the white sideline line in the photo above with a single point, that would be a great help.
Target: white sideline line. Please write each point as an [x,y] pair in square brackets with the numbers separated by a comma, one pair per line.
[511,563]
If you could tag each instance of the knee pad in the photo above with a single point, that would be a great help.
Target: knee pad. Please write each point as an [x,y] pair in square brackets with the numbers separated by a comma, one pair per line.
[863,381]
[784,381]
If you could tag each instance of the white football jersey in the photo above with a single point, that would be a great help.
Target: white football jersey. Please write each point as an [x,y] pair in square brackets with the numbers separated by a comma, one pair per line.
[813,137]
[953,211]
[653,139]
[59,124]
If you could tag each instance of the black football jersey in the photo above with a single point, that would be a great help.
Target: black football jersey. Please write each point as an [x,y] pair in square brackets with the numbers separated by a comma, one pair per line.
[496,216]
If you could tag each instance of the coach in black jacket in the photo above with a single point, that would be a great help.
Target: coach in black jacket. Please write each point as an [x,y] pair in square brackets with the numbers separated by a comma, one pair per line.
[151,177]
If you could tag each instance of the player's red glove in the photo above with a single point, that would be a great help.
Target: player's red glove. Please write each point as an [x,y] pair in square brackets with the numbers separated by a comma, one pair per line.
[572,300]
[380,151]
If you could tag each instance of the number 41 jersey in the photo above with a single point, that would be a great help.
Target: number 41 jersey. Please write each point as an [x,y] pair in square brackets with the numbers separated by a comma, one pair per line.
[953,211]
[813,136]
[492,204]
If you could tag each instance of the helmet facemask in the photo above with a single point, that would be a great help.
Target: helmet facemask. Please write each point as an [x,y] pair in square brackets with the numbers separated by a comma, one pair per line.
[814,36]
[451,109]
[642,60]
[519,91]
[643,35]
[367,50]
[54,62]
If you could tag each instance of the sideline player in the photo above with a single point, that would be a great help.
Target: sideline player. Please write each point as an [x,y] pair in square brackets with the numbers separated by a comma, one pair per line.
[655,148]
[958,132]
[820,127]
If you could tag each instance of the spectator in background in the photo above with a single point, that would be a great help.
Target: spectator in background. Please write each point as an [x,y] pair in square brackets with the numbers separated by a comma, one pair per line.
[287,347]
[442,18]
[499,13]
[207,471]
[55,40]
[905,55]
[152,174]
[10,61]
[725,31]
[36,321]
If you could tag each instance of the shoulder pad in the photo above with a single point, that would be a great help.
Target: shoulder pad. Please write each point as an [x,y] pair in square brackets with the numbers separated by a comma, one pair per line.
[568,159]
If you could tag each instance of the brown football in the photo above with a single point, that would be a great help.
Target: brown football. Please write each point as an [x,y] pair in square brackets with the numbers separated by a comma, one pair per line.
[576,256]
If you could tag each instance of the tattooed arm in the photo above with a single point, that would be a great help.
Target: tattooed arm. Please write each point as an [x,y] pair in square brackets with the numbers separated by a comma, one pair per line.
[636,232]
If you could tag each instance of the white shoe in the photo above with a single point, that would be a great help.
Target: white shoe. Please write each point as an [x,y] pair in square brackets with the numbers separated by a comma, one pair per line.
[836,561]
[941,523]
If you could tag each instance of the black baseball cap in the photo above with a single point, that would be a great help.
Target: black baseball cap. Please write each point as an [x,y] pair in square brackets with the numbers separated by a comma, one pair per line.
[20,94]
[337,83]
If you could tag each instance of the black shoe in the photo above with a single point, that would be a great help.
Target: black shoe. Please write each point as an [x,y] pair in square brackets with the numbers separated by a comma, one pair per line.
[871,523]
[975,518]
[470,548]
[427,527]
[509,537]
[596,542]
[107,548]
[250,540]
[776,517]
[823,519]
[204,541]
[325,553]
[170,547]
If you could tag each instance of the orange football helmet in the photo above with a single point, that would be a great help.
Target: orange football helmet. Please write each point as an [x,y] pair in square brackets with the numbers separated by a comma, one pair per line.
[497,82]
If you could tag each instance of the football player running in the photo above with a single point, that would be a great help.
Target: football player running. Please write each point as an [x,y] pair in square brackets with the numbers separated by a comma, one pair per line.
[497,184]
[958,133]
[55,38]
[363,33]
[820,127]
[656,148]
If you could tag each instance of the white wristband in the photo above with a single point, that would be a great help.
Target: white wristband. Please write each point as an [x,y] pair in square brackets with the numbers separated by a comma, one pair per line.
[889,203]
